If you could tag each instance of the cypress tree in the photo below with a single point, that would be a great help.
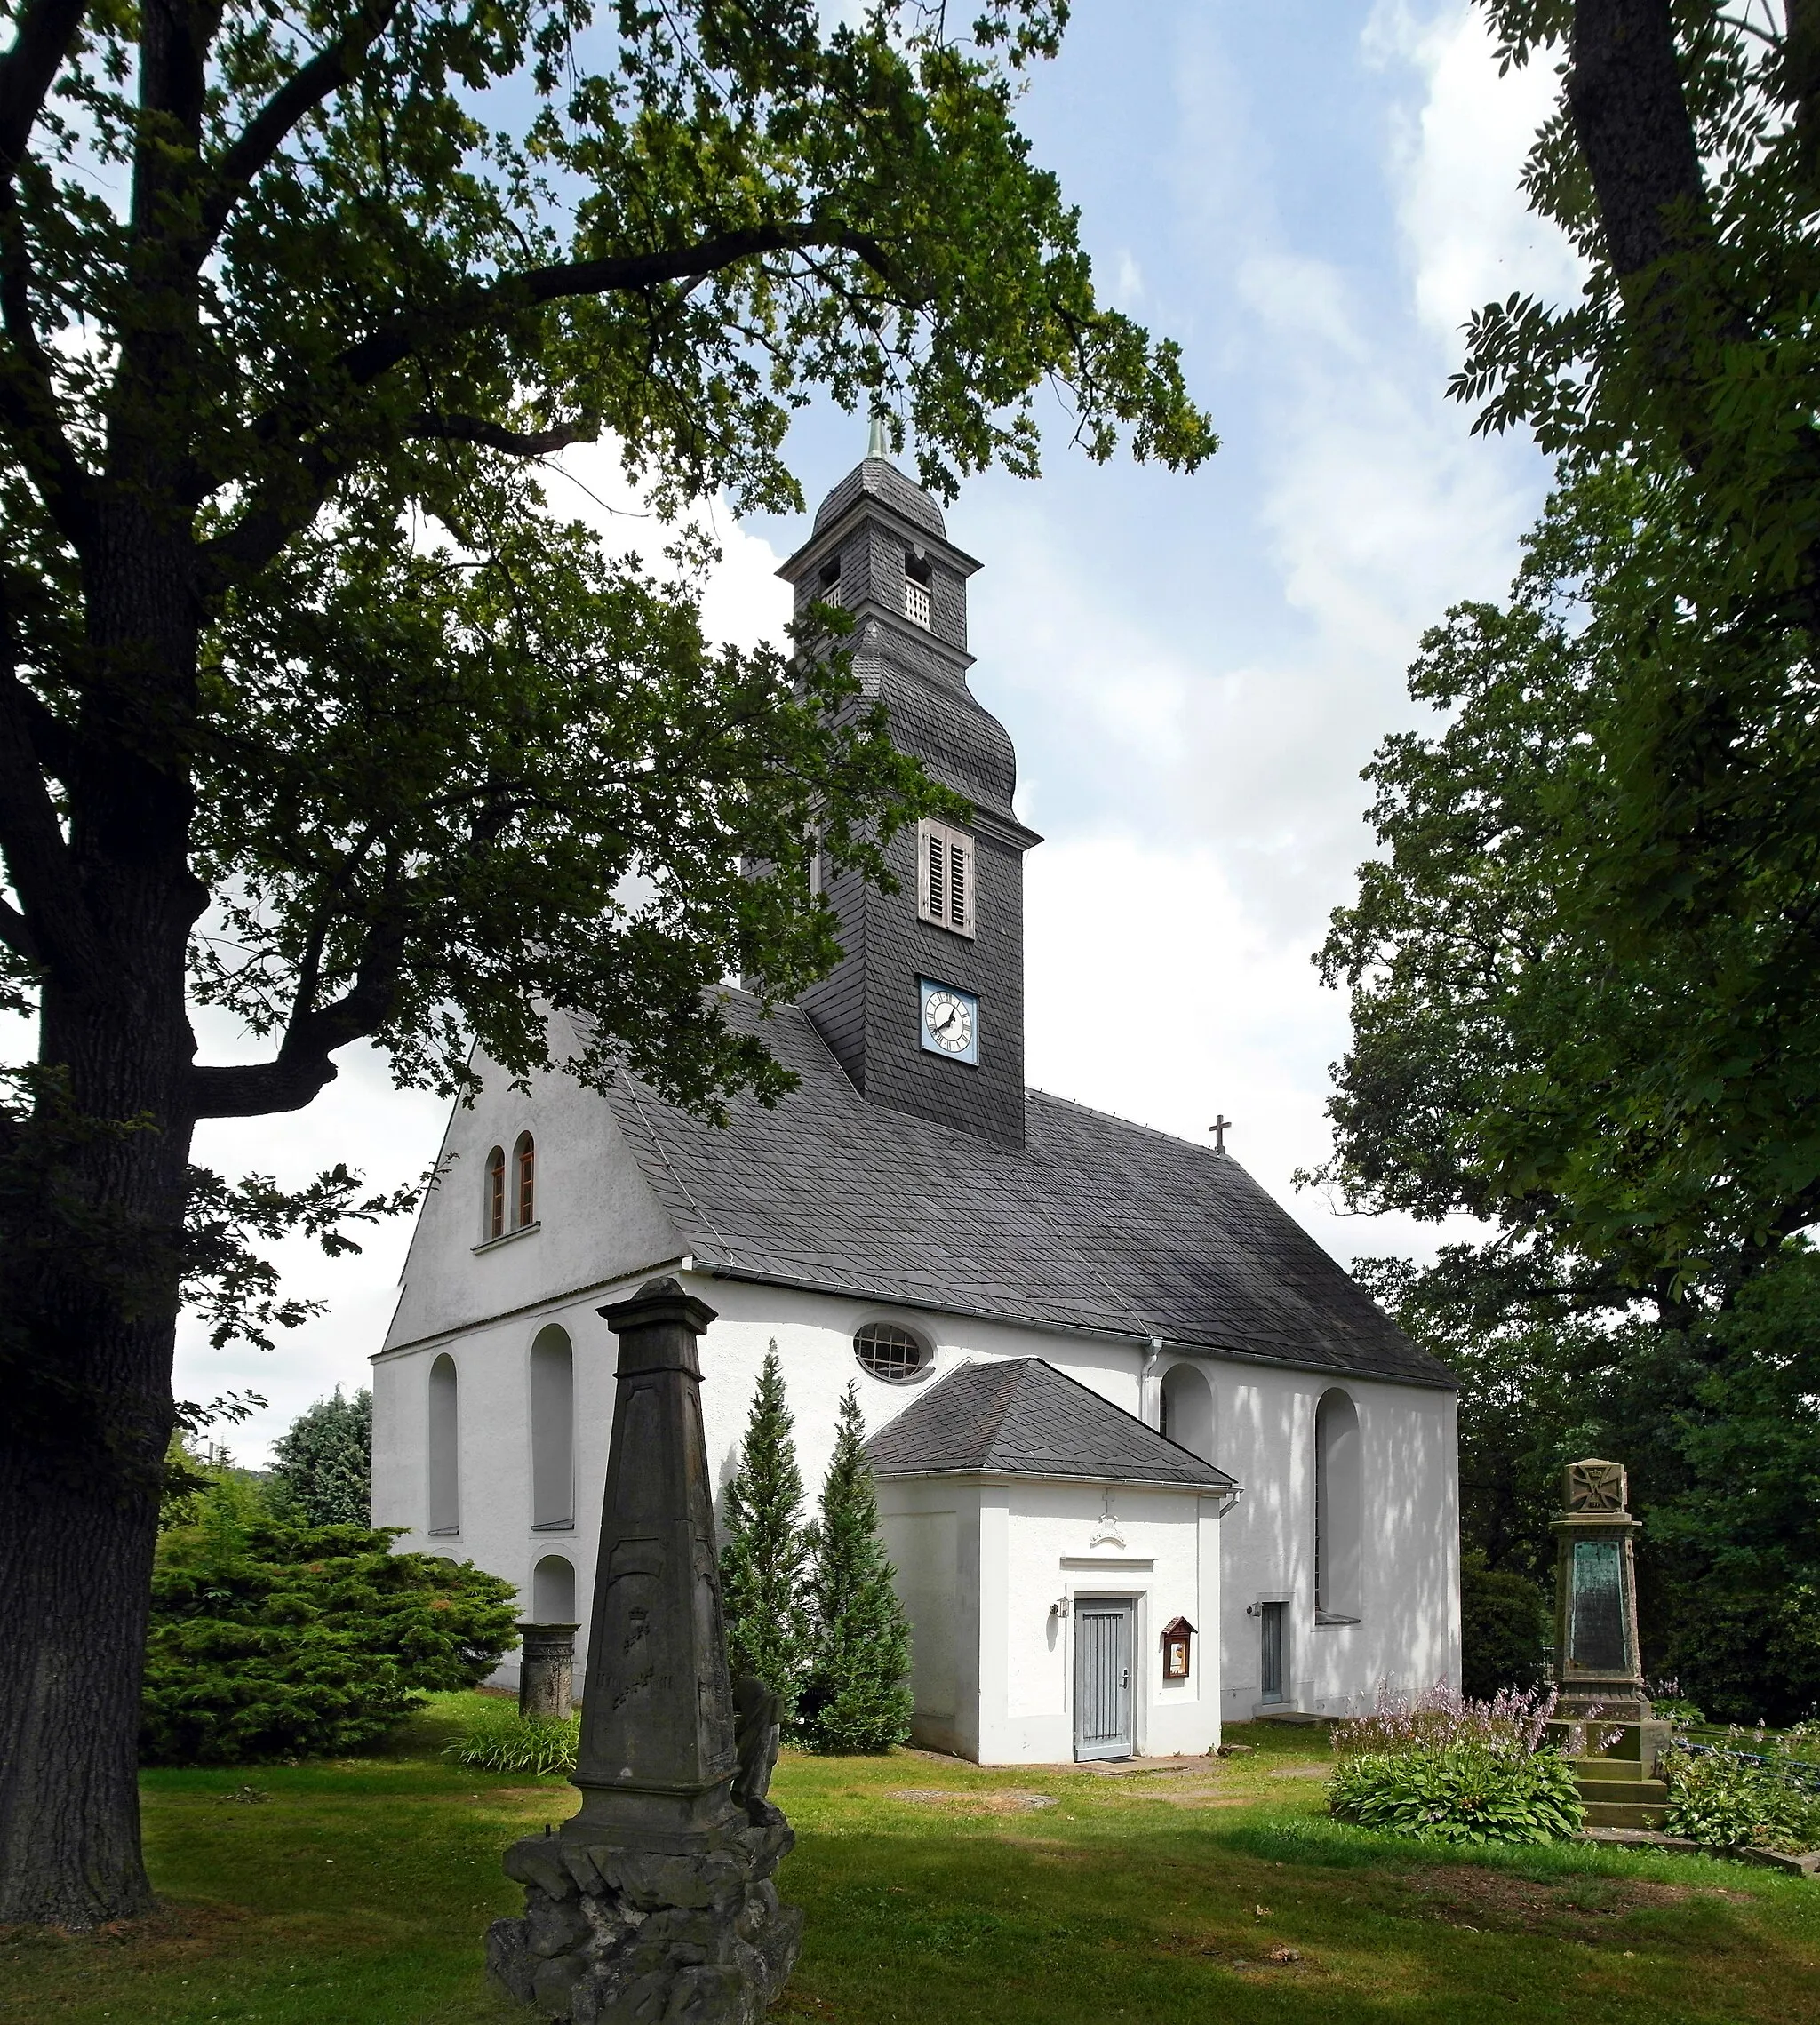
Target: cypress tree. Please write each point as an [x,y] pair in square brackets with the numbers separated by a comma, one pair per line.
[855,1695]
[762,1561]
[323,1468]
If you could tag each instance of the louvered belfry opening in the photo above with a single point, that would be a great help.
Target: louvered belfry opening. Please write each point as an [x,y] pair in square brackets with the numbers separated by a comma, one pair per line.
[947,894]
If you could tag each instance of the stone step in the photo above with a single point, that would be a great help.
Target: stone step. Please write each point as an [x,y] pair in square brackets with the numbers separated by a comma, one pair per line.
[1617,1813]
[1625,1792]
[1627,1768]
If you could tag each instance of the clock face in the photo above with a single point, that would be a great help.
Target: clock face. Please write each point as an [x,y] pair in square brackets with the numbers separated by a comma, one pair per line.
[950,1021]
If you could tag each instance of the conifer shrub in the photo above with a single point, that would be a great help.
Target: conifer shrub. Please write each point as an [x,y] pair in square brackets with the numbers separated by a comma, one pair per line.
[761,1563]
[1447,1767]
[323,1468]
[270,1639]
[855,1688]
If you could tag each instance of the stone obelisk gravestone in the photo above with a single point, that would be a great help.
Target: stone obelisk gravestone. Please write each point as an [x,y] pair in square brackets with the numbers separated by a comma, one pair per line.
[656,1901]
[1599,1675]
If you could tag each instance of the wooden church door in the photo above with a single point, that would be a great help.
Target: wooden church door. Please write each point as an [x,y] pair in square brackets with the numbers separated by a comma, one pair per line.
[1102,1677]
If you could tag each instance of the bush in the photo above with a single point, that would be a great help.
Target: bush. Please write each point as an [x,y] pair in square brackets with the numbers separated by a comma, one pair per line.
[323,1468]
[271,1640]
[1744,1656]
[1452,1767]
[1504,1626]
[501,1739]
[1722,1801]
[1467,1791]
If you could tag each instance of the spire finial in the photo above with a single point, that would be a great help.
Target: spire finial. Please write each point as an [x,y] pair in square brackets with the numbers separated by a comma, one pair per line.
[875,445]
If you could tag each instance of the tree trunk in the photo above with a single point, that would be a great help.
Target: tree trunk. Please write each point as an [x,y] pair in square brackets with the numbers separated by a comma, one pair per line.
[80,1469]
[94,1200]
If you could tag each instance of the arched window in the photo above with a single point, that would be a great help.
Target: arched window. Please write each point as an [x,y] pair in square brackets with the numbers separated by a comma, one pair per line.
[1187,1410]
[553,1591]
[444,1448]
[552,1430]
[890,1353]
[1339,1518]
[493,1216]
[524,1182]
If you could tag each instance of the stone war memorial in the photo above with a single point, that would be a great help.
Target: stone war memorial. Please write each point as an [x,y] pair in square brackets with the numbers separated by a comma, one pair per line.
[1598,1668]
[656,1901]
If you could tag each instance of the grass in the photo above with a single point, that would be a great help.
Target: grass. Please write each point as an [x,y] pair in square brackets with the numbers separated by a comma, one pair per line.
[356,1891]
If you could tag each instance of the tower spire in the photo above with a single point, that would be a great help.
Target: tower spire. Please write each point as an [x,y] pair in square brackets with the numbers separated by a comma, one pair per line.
[875,445]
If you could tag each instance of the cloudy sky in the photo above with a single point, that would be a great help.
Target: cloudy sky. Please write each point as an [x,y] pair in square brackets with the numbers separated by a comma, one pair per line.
[1310,197]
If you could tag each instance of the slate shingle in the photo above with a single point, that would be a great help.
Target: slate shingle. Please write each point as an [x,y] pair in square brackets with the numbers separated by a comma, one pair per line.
[1094,1223]
[1024,1418]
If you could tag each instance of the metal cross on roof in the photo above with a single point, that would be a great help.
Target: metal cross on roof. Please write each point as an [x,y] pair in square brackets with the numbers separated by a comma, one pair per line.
[1220,1127]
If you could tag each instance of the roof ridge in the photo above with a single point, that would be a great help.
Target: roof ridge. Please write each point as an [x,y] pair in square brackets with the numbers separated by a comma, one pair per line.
[1136,1125]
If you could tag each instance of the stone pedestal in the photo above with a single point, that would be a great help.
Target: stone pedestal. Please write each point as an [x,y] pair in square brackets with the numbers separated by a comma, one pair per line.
[655,1902]
[547,1671]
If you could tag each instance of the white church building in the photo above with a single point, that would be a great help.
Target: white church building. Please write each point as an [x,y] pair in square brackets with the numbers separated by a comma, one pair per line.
[1148,1459]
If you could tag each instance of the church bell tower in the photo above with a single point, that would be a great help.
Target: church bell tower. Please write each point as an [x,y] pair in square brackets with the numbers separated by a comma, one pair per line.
[925,1012]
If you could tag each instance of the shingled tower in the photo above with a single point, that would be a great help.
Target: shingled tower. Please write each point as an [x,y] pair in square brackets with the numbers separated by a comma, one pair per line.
[925,1012]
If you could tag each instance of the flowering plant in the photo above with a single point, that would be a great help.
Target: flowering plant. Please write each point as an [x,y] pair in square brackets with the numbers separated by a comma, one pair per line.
[1443,1766]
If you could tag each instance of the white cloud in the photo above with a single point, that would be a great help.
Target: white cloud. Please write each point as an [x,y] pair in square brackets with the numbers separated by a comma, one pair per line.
[1457,161]
[1153,993]
[743,602]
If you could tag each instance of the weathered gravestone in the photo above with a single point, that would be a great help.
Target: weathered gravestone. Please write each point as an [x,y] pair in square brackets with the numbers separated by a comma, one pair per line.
[547,1671]
[1599,1674]
[656,1902]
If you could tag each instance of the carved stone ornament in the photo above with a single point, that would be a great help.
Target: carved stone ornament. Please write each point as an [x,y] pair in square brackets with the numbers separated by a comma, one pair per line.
[656,1901]
[1107,1533]
[1593,1485]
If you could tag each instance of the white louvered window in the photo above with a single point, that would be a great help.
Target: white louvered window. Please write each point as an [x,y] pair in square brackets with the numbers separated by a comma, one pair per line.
[945,877]
[916,603]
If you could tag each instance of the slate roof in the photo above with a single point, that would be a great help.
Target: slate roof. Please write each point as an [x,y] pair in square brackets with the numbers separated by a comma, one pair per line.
[1024,1418]
[1095,1224]
[879,479]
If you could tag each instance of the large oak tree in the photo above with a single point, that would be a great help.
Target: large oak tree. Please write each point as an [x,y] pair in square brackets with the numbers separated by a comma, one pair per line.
[1586,970]
[312,708]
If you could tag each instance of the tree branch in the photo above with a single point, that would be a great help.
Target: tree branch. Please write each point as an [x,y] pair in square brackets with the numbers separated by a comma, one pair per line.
[62,931]
[291,499]
[15,932]
[474,429]
[1631,121]
[401,336]
[325,74]
[47,31]
[302,1067]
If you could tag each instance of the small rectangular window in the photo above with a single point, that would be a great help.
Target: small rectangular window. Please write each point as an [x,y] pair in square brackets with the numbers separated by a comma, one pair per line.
[916,603]
[944,880]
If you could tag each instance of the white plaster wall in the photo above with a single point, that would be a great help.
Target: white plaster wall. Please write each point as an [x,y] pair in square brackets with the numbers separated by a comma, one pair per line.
[595,1217]
[1263,1436]
[1409,1628]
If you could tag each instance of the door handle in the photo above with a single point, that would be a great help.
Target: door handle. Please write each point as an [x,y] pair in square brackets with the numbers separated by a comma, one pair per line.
[1125,1678]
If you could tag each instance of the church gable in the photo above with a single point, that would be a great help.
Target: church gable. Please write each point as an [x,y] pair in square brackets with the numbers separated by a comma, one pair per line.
[593,1217]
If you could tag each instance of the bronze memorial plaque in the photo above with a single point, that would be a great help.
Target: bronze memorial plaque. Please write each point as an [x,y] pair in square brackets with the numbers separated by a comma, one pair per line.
[1596,1623]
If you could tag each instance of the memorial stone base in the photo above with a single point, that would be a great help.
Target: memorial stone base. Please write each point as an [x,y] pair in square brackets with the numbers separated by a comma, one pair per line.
[620,1936]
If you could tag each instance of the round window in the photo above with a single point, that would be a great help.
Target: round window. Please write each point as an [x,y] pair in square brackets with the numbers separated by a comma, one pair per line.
[889,1352]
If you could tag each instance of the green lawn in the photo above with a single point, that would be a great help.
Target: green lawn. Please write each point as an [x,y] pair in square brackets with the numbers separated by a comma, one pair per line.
[355,1891]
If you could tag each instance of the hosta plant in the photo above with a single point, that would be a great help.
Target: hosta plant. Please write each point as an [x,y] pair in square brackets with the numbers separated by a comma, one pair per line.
[1448,1768]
